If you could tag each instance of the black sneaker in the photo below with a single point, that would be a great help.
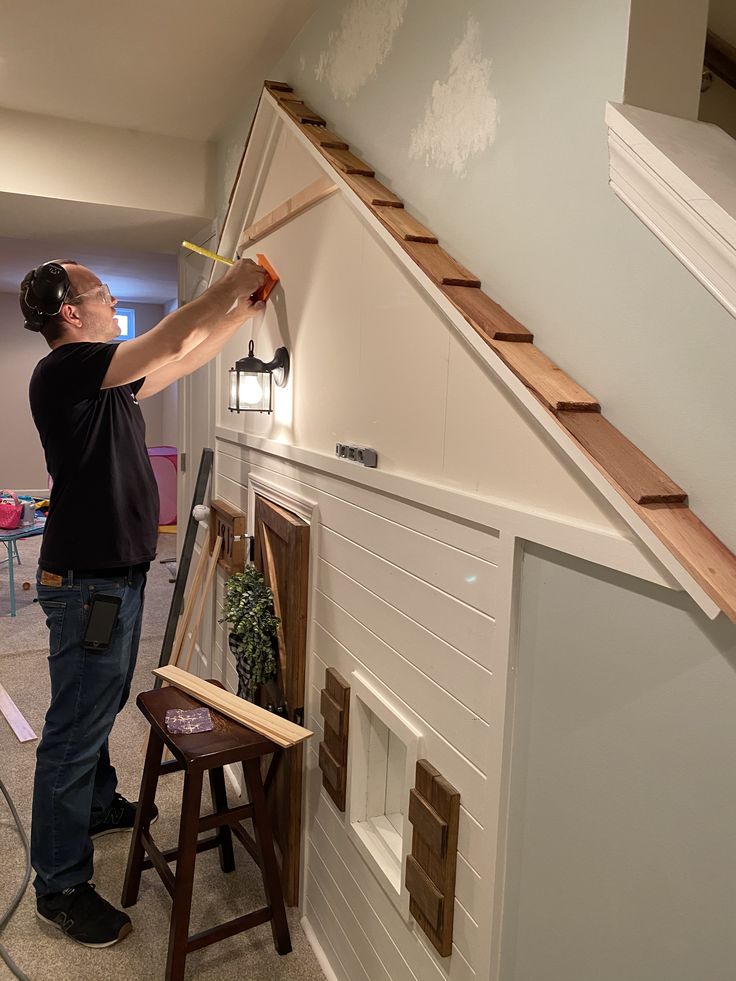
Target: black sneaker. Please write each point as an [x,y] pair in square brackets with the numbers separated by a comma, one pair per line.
[84,916]
[120,816]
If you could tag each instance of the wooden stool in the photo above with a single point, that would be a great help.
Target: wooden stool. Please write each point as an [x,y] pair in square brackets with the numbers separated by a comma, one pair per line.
[194,753]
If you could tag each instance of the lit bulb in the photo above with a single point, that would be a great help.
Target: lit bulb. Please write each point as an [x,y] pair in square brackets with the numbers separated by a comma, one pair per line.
[251,392]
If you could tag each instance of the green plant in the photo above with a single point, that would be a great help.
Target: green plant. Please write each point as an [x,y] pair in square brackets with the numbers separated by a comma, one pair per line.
[248,609]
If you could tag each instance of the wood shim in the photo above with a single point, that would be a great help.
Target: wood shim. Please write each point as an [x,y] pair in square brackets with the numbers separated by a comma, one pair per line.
[322,188]
[273,727]
[15,718]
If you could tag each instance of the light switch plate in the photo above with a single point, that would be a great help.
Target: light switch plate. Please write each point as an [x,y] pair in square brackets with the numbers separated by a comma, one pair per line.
[357,454]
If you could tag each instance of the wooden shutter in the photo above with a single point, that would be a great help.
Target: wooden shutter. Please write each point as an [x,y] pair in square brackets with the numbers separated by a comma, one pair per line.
[434,811]
[333,750]
[228,523]
[282,555]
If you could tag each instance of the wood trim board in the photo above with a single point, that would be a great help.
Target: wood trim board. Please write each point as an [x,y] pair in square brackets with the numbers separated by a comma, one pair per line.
[280,731]
[317,191]
[15,718]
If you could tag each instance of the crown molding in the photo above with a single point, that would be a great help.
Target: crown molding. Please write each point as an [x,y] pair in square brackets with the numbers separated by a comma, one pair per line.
[678,176]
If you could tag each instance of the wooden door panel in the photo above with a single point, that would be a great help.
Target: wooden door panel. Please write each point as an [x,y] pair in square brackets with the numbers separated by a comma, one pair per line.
[282,554]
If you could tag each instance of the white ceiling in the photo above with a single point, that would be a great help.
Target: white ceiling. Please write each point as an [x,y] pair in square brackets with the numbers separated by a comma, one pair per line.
[178,67]
[174,67]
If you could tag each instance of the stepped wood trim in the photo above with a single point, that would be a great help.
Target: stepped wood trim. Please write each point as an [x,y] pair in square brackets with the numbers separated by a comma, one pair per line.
[642,480]
[485,316]
[323,137]
[346,161]
[300,112]
[373,192]
[704,566]
[404,226]
[277,86]
[440,266]
[548,382]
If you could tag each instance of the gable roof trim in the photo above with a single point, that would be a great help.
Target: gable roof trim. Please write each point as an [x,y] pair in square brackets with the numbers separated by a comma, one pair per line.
[699,562]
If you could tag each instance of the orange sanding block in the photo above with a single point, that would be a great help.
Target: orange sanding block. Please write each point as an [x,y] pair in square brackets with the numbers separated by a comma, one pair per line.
[273,278]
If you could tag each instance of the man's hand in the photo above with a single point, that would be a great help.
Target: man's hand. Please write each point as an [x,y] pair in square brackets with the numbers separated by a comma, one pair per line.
[243,310]
[203,325]
[245,276]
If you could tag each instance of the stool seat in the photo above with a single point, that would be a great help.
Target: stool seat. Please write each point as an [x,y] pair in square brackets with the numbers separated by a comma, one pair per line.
[196,754]
[228,742]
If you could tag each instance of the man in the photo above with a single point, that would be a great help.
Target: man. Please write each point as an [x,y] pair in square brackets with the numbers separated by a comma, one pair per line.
[100,538]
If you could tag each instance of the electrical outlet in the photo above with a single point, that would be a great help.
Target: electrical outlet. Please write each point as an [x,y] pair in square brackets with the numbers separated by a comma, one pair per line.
[358,454]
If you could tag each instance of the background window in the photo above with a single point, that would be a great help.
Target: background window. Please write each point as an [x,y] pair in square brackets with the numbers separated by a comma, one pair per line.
[126,323]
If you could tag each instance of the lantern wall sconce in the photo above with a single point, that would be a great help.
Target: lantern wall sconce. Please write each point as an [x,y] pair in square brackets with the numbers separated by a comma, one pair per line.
[252,381]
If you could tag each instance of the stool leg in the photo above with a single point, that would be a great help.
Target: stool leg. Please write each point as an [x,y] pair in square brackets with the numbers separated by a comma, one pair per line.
[219,801]
[186,854]
[269,869]
[149,782]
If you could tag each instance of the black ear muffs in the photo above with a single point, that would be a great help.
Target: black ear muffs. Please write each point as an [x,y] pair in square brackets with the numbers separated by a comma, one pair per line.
[42,294]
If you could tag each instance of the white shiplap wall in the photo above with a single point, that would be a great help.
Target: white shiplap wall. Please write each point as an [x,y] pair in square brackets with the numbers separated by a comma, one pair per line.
[409,597]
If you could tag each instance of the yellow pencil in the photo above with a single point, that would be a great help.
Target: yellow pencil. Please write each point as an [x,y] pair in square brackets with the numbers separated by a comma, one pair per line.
[206,252]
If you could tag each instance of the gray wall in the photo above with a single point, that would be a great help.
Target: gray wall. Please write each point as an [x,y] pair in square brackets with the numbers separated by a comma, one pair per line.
[534,217]
[623,854]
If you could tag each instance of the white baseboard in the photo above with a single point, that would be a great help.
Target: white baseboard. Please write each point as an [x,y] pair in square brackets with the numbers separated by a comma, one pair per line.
[318,950]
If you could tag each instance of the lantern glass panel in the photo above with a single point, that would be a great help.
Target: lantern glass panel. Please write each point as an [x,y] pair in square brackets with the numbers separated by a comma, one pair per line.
[250,391]
[233,404]
[251,387]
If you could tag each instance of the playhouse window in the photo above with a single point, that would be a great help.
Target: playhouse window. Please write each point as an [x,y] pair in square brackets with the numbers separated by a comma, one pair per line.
[384,747]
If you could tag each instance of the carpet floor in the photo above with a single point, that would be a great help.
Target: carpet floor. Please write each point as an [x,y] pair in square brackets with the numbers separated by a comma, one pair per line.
[42,952]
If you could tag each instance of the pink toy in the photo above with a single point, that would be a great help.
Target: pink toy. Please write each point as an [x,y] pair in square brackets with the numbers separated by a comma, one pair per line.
[163,462]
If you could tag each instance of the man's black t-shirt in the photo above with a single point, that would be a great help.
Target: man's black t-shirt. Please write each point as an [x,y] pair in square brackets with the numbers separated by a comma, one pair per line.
[104,500]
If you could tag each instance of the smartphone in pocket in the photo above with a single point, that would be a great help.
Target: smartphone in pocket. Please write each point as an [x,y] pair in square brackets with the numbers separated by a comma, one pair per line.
[103,616]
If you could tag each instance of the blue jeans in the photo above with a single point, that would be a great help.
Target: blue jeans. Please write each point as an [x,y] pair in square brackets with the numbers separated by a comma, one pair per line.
[75,782]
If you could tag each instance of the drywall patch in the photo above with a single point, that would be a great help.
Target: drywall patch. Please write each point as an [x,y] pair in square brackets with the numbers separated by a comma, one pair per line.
[360,46]
[460,118]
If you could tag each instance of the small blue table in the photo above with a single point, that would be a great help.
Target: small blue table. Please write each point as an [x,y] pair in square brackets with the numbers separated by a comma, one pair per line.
[9,539]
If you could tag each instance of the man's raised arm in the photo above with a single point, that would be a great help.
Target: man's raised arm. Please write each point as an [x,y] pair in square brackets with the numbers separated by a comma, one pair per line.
[184,329]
